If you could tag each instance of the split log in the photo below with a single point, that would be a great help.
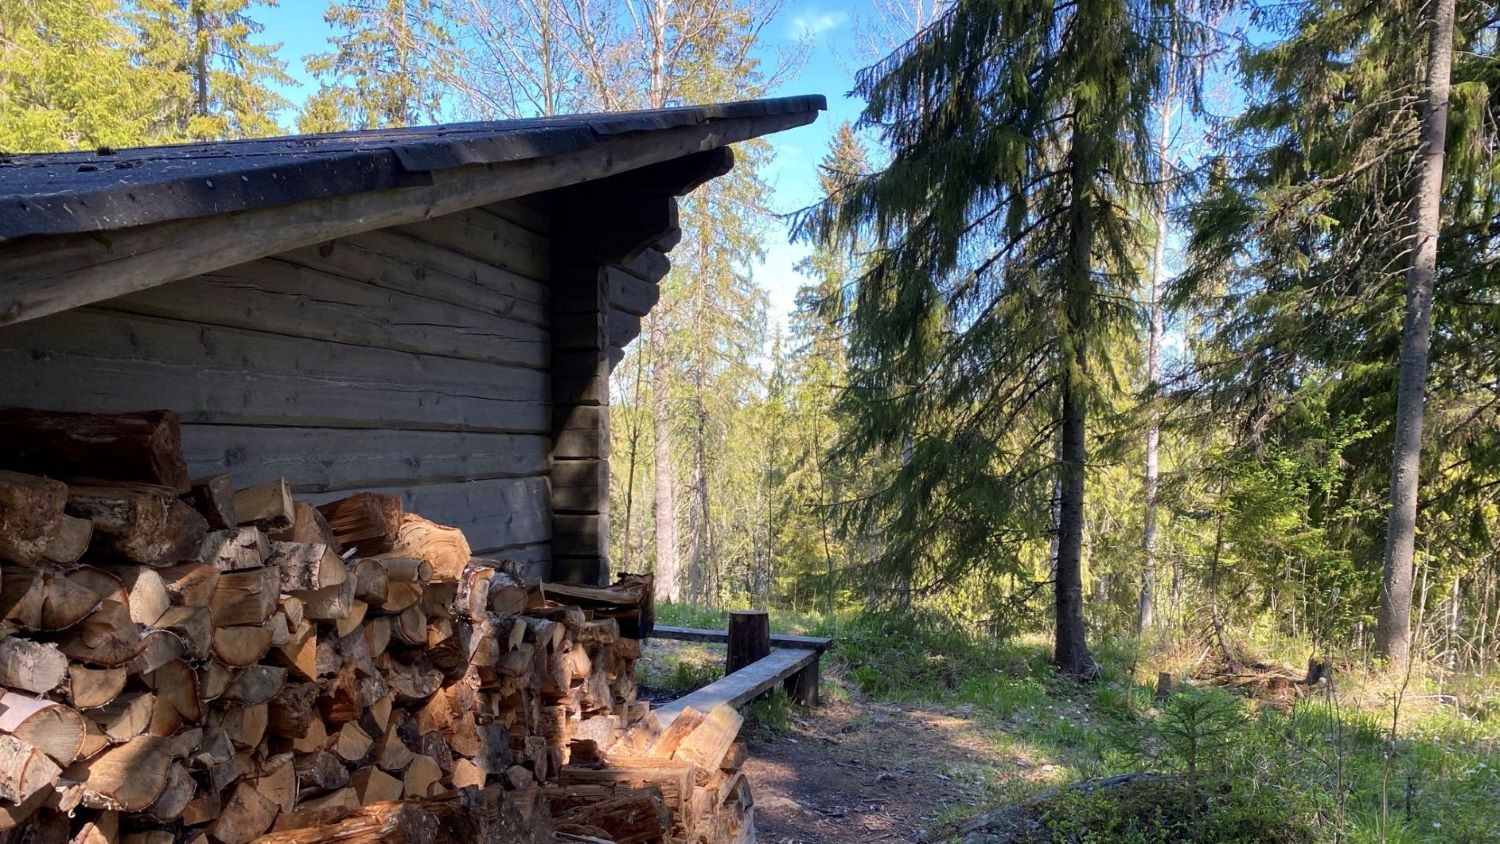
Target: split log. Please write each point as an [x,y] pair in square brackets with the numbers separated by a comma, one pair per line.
[158,647]
[373,785]
[291,710]
[176,687]
[422,777]
[241,645]
[245,597]
[319,772]
[267,506]
[245,726]
[31,513]
[139,522]
[277,781]
[175,795]
[666,744]
[213,497]
[88,688]
[329,603]
[127,777]
[255,685]
[235,548]
[352,744]
[709,742]
[369,522]
[70,541]
[24,770]
[370,580]
[300,654]
[191,584]
[245,816]
[141,447]
[213,678]
[126,717]
[44,598]
[107,636]
[406,569]
[193,625]
[50,727]
[306,566]
[309,526]
[630,818]
[444,548]
[146,593]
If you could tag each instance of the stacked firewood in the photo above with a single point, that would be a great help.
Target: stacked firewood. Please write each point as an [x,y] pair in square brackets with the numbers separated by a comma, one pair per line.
[183,660]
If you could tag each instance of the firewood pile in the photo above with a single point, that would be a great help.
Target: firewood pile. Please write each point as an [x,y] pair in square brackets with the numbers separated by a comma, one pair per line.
[181,660]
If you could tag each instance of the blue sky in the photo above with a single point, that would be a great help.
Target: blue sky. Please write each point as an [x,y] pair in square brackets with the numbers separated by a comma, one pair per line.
[828,30]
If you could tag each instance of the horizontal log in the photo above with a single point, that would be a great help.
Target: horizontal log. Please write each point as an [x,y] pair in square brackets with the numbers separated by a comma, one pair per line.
[650,265]
[532,213]
[483,236]
[396,261]
[288,298]
[629,293]
[331,459]
[622,327]
[98,360]
[581,431]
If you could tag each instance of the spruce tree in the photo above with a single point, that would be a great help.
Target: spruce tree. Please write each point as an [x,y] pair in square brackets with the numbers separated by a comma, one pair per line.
[217,80]
[66,77]
[1299,245]
[1004,255]
[389,67]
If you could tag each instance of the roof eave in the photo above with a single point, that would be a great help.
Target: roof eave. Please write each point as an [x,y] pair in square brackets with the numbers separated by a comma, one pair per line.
[41,275]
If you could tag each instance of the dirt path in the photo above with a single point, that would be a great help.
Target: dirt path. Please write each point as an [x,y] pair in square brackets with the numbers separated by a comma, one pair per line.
[864,772]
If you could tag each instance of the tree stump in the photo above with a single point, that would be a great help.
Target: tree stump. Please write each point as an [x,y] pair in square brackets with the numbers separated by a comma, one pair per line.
[749,639]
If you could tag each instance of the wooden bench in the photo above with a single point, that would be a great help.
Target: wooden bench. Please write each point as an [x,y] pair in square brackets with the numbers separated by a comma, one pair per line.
[790,660]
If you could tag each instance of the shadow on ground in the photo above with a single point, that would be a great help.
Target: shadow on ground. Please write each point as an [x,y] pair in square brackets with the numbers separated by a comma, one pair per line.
[870,772]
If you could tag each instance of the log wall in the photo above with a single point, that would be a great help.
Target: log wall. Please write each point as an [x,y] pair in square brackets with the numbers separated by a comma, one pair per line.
[413,360]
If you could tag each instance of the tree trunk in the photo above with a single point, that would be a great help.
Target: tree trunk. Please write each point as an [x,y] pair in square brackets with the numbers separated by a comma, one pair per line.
[1071,650]
[667,575]
[200,61]
[1153,363]
[1394,618]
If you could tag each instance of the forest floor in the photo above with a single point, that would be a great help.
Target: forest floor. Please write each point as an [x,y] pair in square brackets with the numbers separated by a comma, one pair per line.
[922,726]
[867,772]
[856,769]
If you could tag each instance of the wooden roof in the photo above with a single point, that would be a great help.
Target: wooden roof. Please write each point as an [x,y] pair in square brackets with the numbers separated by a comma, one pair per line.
[84,226]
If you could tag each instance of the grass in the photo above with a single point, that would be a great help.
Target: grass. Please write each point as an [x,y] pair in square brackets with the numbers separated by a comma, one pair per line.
[1317,768]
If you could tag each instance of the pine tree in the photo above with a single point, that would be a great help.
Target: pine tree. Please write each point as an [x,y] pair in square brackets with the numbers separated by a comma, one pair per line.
[1005,250]
[390,66]
[66,78]
[216,81]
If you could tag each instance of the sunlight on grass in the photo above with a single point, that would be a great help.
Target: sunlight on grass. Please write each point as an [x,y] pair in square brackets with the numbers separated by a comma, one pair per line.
[1314,766]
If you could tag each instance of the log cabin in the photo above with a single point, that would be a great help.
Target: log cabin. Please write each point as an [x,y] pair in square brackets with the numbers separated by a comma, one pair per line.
[430,311]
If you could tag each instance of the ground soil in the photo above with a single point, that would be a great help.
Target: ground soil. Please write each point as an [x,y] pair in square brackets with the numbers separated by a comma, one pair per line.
[867,772]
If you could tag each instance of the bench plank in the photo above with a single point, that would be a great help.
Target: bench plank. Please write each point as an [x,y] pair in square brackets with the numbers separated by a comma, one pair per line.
[744,685]
[778,640]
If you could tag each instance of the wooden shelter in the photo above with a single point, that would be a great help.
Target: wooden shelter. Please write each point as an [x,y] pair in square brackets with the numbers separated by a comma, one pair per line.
[429,311]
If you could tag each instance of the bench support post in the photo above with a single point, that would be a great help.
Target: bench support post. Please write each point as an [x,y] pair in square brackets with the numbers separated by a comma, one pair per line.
[802,687]
[749,639]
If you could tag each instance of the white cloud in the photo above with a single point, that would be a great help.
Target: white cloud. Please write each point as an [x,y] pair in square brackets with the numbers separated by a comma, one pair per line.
[813,24]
